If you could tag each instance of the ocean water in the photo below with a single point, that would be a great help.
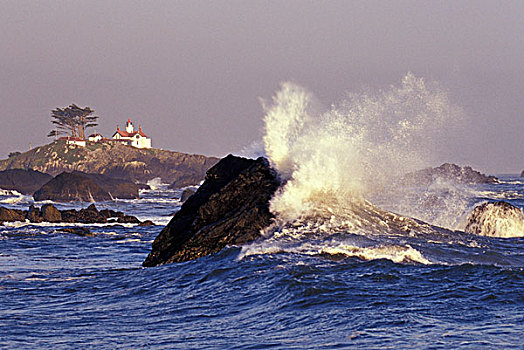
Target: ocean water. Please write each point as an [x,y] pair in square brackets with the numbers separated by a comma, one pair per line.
[343,266]
[315,290]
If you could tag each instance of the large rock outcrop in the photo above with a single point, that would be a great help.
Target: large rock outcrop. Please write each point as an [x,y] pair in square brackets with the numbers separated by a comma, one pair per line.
[23,181]
[114,160]
[522,173]
[231,207]
[77,186]
[447,172]
[497,219]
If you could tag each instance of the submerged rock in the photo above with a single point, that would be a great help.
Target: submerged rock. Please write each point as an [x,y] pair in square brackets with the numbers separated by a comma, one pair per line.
[23,181]
[147,223]
[447,172]
[81,231]
[497,219]
[231,207]
[78,186]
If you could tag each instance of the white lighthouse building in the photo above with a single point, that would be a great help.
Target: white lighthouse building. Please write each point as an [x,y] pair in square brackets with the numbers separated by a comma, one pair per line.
[131,137]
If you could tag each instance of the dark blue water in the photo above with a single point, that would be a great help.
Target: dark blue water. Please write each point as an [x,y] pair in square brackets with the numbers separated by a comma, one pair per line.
[60,290]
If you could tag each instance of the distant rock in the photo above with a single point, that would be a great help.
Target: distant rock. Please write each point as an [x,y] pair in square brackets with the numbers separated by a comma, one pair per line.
[522,173]
[497,219]
[231,207]
[447,172]
[49,213]
[77,186]
[23,181]
[147,223]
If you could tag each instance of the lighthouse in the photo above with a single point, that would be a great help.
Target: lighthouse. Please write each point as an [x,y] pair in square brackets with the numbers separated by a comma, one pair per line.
[129,126]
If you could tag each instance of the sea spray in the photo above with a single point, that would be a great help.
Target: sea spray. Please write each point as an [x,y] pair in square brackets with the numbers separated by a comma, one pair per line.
[333,159]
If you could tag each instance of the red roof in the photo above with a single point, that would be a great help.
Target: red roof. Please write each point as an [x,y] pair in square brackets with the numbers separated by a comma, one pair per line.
[130,134]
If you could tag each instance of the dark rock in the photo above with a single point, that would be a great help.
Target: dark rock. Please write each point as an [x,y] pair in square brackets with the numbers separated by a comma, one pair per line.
[117,188]
[33,214]
[11,215]
[90,215]
[231,207]
[108,213]
[188,192]
[77,186]
[128,219]
[23,181]
[496,219]
[142,186]
[447,172]
[522,173]
[50,213]
[81,231]
[147,223]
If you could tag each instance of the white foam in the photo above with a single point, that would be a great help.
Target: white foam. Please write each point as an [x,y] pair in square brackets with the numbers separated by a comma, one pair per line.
[496,221]
[332,159]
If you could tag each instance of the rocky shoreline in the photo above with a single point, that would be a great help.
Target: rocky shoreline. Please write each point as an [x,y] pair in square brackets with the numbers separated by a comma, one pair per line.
[49,213]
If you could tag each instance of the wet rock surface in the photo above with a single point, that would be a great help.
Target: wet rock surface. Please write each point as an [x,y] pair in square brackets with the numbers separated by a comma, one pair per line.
[230,208]
[78,186]
[23,181]
[49,213]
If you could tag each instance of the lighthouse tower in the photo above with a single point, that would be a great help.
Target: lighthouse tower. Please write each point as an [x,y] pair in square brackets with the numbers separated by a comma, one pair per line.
[129,126]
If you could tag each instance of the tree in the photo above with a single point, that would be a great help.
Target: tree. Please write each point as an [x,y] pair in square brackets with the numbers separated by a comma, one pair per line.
[72,120]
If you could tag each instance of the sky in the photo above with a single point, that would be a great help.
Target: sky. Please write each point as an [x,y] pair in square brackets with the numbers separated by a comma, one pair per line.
[192,73]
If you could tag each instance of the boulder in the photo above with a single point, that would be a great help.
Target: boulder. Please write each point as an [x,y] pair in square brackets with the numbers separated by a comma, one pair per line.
[11,215]
[23,181]
[50,213]
[33,214]
[128,219]
[522,173]
[447,172]
[496,219]
[78,186]
[230,208]
[147,223]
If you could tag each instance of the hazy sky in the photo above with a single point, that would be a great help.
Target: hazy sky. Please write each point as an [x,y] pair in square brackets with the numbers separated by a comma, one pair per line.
[191,72]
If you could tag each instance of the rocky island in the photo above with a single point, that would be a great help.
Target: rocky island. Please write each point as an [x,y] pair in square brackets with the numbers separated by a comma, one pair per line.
[447,172]
[114,160]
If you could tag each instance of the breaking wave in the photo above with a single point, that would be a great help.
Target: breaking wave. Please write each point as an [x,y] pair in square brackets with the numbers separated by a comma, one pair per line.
[337,157]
